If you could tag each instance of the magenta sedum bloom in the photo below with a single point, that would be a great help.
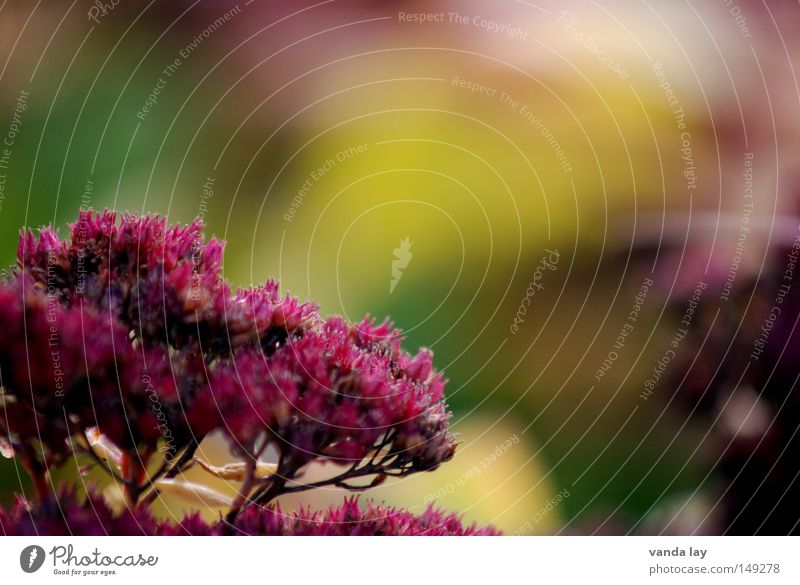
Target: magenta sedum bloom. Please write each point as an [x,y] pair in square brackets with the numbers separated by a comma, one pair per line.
[128,331]
[69,515]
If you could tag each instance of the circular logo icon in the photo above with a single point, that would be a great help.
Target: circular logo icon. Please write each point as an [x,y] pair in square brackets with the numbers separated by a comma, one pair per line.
[31,558]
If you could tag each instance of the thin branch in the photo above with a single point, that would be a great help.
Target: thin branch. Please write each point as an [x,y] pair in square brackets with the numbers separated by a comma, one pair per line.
[249,481]
[388,437]
[338,480]
[171,473]
[101,462]
[186,458]
[274,485]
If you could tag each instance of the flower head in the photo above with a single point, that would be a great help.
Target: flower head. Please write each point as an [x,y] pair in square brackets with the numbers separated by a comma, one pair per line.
[67,515]
[129,332]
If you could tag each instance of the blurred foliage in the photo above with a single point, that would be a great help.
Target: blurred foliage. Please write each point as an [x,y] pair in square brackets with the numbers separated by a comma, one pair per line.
[476,186]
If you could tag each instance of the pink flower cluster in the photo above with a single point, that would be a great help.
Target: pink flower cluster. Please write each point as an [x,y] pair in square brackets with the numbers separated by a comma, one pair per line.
[70,516]
[127,329]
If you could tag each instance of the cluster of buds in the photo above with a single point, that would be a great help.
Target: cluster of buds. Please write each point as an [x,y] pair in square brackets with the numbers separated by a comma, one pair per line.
[92,516]
[125,345]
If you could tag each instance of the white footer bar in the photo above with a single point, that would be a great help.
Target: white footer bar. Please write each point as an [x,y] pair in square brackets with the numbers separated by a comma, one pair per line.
[407,561]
